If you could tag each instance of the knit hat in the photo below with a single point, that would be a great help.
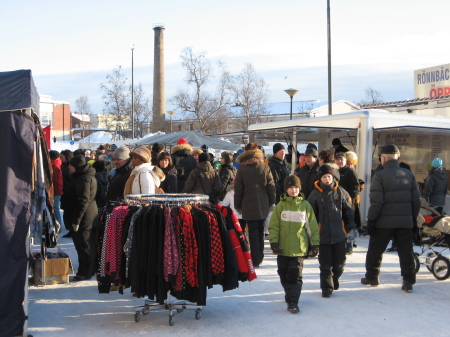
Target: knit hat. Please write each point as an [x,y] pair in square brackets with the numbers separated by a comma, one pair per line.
[101,147]
[340,155]
[324,169]
[311,146]
[203,157]
[182,141]
[437,162]
[277,147]
[292,181]
[311,152]
[157,147]
[122,153]
[390,149]
[78,161]
[113,147]
[143,153]
[336,141]
[99,166]
[204,148]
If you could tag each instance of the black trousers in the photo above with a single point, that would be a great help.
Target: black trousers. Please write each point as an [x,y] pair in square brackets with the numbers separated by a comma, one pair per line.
[377,245]
[332,261]
[82,240]
[256,238]
[290,270]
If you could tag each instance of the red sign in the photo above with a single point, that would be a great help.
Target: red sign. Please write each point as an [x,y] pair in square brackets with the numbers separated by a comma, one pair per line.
[47,131]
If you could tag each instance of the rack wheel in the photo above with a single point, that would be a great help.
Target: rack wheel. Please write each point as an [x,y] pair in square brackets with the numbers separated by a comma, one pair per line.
[429,260]
[171,321]
[180,310]
[137,318]
[198,314]
[441,268]
[416,263]
[145,311]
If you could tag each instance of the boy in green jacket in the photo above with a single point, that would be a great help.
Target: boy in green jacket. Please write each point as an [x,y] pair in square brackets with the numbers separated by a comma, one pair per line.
[292,228]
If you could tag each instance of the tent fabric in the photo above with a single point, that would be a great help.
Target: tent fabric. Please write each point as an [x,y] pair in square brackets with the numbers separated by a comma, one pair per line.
[18,91]
[196,139]
[17,132]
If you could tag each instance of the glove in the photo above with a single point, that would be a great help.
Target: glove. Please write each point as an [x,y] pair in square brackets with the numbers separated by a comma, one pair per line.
[314,251]
[371,227]
[75,228]
[352,235]
[276,249]
[239,211]
[271,208]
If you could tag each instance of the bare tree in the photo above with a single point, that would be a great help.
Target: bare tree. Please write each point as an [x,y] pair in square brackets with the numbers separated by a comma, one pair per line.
[373,96]
[142,110]
[249,91]
[196,99]
[83,108]
[116,96]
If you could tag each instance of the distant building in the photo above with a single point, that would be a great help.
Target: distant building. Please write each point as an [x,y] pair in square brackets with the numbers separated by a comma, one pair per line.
[56,114]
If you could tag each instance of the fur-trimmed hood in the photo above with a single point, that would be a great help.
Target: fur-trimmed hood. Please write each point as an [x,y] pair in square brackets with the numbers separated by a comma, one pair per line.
[251,157]
[184,149]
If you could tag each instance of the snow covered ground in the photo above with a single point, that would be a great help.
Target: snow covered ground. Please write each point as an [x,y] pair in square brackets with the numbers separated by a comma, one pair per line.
[256,308]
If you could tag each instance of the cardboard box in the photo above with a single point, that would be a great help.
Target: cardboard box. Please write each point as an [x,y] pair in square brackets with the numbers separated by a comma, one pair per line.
[56,271]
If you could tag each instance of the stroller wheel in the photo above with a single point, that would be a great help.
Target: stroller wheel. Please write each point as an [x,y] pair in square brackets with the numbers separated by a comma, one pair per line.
[429,260]
[441,268]
[416,263]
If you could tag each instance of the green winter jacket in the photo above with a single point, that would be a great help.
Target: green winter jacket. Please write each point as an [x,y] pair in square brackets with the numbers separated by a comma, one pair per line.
[287,226]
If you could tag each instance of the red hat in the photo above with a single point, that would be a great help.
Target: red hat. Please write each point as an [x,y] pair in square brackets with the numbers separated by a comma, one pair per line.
[182,141]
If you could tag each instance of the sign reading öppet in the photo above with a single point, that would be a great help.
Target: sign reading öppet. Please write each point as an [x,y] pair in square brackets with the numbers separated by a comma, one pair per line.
[432,82]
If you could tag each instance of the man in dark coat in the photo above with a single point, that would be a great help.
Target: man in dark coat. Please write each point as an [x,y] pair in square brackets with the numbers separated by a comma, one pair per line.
[338,147]
[183,162]
[227,172]
[124,167]
[279,169]
[80,212]
[308,173]
[394,206]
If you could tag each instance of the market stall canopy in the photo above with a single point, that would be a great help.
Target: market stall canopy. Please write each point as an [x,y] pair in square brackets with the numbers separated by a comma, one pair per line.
[18,91]
[196,139]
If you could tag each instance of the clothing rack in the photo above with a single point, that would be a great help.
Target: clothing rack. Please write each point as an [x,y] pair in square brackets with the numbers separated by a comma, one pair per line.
[166,199]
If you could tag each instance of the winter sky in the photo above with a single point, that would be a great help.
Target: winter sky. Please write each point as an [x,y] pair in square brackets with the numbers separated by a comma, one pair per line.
[72,45]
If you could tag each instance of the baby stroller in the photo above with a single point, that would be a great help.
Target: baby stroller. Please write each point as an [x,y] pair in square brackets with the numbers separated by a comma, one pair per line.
[433,232]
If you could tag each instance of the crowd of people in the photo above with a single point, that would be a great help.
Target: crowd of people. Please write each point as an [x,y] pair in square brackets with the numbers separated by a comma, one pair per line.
[313,212]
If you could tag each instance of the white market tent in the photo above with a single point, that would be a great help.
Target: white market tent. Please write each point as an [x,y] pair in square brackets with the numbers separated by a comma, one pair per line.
[420,138]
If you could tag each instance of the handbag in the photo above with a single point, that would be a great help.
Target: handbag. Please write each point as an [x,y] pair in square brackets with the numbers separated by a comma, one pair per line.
[212,196]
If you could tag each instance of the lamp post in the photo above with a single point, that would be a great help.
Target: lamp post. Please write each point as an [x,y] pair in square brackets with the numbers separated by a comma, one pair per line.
[330,96]
[291,92]
[171,113]
[132,91]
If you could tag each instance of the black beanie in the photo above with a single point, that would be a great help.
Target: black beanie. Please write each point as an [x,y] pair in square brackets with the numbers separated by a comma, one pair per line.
[336,141]
[203,157]
[78,161]
[325,169]
[99,166]
[157,147]
[292,181]
[311,152]
[277,147]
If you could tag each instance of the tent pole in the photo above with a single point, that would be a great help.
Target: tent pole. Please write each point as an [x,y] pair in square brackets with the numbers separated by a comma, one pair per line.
[294,151]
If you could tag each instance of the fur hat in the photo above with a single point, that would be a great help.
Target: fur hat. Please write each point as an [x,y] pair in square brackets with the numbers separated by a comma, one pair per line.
[78,161]
[122,153]
[277,147]
[182,141]
[157,147]
[143,153]
[311,152]
[336,141]
[292,181]
[324,169]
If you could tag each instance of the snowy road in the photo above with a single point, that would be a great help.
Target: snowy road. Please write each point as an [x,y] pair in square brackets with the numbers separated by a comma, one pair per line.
[255,308]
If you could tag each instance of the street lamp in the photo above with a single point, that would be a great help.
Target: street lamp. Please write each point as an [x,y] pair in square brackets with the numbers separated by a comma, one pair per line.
[171,113]
[291,92]
[132,91]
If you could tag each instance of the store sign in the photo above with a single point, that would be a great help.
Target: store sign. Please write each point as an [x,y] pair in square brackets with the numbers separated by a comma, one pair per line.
[432,82]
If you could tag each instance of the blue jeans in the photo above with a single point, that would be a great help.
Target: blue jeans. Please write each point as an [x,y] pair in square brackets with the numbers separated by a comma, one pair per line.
[56,208]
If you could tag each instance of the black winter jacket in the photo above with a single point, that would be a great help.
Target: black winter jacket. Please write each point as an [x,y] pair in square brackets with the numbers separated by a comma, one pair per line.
[436,187]
[183,162]
[333,210]
[169,184]
[349,181]
[341,148]
[307,178]
[118,181]
[394,197]
[102,188]
[80,207]
[279,173]
[226,173]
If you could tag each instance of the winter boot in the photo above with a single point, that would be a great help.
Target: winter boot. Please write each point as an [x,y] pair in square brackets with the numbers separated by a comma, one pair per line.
[293,308]
[407,287]
[370,282]
[326,293]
